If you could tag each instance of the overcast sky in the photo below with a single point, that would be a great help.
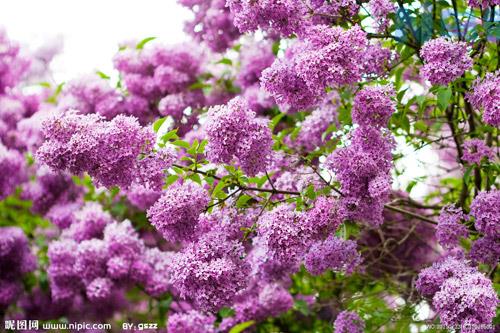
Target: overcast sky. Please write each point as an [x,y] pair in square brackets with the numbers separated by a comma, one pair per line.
[91,29]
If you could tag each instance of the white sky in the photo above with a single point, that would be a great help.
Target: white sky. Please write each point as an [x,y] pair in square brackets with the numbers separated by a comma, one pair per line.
[91,29]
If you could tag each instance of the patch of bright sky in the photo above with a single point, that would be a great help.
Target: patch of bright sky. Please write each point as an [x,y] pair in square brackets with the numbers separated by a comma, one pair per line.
[91,29]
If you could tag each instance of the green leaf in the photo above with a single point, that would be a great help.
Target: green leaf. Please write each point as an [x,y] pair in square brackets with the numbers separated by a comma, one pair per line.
[226,312]
[103,75]
[443,97]
[171,179]
[467,174]
[241,327]
[143,42]
[181,143]
[157,124]
[242,200]
[225,61]
[301,306]
[276,119]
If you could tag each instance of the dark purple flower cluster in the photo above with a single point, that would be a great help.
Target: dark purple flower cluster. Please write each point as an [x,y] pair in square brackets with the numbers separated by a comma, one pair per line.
[13,168]
[12,65]
[451,227]
[475,150]
[349,322]
[332,253]
[16,260]
[485,95]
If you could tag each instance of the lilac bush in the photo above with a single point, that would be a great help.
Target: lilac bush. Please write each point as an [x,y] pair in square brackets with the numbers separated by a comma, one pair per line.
[295,166]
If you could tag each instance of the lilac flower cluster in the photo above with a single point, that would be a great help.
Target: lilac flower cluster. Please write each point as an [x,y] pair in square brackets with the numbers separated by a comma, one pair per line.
[16,260]
[283,17]
[15,107]
[212,23]
[483,3]
[210,272]
[13,168]
[450,227]
[315,124]
[332,253]
[363,167]
[107,150]
[445,60]
[349,322]
[485,250]
[91,94]
[460,294]
[12,65]
[486,95]
[380,9]
[175,214]
[327,57]
[192,321]
[475,150]
[254,59]
[378,60]
[484,208]
[234,133]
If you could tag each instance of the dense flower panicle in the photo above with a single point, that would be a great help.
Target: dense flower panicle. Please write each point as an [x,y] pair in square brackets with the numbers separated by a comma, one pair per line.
[362,169]
[212,23]
[475,150]
[282,233]
[151,169]
[62,214]
[15,107]
[234,133]
[12,65]
[192,321]
[50,188]
[378,60]
[285,17]
[175,214]
[107,150]
[486,250]
[288,89]
[485,95]
[349,322]
[324,9]
[331,57]
[227,220]
[174,105]
[91,94]
[16,260]
[254,59]
[380,9]
[89,222]
[258,99]
[332,253]
[210,272]
[485,210]
[469,299]
[444,60]
[141,196]
[483,3]
[13,168]
[153,271]
[430,279]
[99,289]
[373,106]
[122,240]
[322,219]
[64,280]
[91,260]
[275,299]
[450,227]
[311,131]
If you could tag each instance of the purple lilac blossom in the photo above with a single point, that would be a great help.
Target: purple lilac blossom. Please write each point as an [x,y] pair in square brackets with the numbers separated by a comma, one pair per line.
[485,210]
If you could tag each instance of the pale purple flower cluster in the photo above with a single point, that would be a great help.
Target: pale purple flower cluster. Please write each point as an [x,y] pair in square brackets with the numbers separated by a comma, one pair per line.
[333,253]
[212,23]
[486,95]
[234,133]
[363,167]
[460,294]
[378,60]
[450,227]
[486,250]
[107,150]
[14,107]
[151,168]
[153,271]
[444,60]
[96,261]
[16,260]
[475,150]
[192,321]
[91,94]
[483,3]
[380,9]
[327,57]
[373,106]
[324,9]
[253,60]
[485,210]
[13,168]
[349,322]
[284,17]
[175,214]
[211,271]
[12,65]
[322,219]
[315,124]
